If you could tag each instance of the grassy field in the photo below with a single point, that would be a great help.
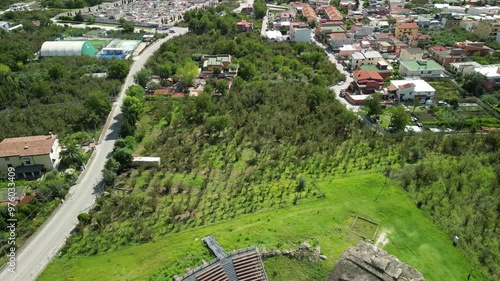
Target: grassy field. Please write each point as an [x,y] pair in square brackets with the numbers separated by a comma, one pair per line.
[413,238]
[99,43]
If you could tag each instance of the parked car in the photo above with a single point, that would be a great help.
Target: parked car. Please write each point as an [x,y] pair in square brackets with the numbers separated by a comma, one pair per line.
[171,31]
[340,83]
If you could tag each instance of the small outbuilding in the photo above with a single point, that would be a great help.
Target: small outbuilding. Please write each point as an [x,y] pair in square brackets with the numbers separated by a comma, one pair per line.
[67,49]
[146,161]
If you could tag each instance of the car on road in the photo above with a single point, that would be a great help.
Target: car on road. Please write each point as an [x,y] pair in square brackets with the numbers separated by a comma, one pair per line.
[171,31]
[340,83]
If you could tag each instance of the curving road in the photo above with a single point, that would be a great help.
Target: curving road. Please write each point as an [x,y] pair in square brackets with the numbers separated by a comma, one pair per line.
[38,251]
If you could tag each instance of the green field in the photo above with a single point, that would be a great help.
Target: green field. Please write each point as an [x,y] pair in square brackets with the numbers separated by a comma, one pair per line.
[99,43]
[413,237]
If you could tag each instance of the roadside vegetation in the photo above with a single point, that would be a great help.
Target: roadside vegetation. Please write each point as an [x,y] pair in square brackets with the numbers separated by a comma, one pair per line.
[42,95]
[51,94]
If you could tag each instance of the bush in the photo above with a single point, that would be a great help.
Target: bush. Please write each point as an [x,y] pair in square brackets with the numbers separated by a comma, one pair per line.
[84,218]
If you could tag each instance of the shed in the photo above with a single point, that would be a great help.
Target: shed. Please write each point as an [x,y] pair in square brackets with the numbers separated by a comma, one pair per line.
[67,49]
[146,161]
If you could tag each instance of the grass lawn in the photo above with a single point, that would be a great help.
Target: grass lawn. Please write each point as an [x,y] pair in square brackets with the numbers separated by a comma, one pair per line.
[413,237]
[445,89]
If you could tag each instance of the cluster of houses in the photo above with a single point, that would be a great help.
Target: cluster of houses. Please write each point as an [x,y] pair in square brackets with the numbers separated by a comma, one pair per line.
[218,67]
[384,40]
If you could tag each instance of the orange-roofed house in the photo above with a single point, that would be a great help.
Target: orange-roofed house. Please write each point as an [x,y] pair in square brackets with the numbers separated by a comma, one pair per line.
[244,26]
[309,13]
[403,29]
[29,156]
[366,81]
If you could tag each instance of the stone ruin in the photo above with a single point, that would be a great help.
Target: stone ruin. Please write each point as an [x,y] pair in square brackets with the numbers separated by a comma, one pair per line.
[366,262]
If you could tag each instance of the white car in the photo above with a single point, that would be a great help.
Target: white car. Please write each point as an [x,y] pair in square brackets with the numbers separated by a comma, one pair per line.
[340,83]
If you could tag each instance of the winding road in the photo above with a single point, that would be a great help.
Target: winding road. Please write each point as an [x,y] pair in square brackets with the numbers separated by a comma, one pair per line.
[39,250]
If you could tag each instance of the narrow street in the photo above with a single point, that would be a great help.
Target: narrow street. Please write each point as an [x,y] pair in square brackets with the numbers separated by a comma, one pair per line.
[348,80]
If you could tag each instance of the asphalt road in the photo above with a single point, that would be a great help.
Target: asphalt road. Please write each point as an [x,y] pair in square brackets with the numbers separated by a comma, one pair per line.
[344,85]
[36,254]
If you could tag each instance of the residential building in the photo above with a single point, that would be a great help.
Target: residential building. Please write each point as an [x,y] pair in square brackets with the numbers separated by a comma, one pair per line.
[362,31]
[385,47]
[464,67]
[211,62]
[366,82]
[347,4]
[468,24]
[317,3]
[331,13]
[488,10]
[403,29]
[451,20]
[420,68]
[382,68]
[410,89]
[447,55]
[471,48]
[310,14]
[324,31]
[417,40]
[298,34]
[411,54]
[29,156]
[398,9]
[365,57]
[492,76]
[243,26]
[487,28]
[346,51]
[338,40]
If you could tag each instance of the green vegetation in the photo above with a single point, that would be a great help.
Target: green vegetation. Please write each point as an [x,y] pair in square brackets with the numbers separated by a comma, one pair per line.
[325,222]
[448,36]
[70,4]
[275,161]
[29,217]
[50,94]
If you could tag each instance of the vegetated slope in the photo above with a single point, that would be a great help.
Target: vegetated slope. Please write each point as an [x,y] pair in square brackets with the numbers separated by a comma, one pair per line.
[458,184]
[248,150]
[325,222]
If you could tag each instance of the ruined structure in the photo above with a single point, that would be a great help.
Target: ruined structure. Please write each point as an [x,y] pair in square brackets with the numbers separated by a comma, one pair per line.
[365,262]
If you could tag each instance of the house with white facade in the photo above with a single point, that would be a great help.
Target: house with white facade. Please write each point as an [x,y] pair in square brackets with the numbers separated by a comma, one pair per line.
[29,156]
[365,57]
[410,89]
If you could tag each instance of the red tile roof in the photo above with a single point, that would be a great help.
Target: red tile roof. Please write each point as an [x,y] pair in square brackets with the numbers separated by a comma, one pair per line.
[366,75]
[27,146]
[437,48]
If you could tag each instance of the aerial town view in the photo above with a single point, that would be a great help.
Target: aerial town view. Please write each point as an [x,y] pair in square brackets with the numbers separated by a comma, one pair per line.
[250,140]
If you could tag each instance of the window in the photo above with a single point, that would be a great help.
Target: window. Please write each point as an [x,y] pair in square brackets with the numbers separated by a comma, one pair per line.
[7,159]
[28,162]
